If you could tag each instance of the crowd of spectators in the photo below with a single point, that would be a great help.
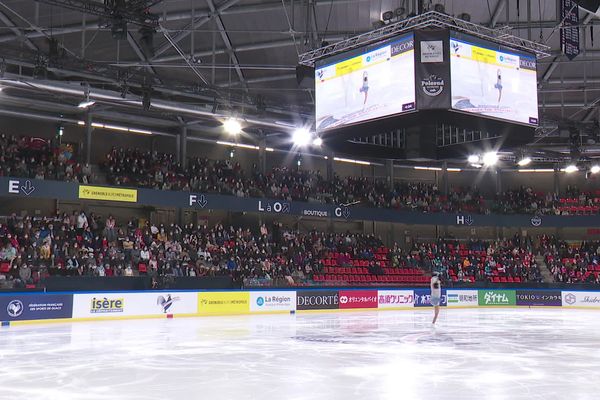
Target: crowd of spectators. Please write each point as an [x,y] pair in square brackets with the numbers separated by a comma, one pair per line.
[155,170]
[48,159]
[524,200]
[87,245]
[31,157]
[80,244]
[510,260]
[572,263]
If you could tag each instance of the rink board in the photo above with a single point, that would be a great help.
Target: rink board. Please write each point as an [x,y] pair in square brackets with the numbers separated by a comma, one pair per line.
[27,308]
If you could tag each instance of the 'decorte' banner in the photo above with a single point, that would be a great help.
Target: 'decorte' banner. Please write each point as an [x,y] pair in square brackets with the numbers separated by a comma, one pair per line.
[317,300]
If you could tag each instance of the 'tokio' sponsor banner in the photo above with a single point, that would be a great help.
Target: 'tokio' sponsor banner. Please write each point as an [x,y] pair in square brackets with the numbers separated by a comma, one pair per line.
[581,299]
[539,298]
[107,193]
[223,303]
[358,298]
[103,305]
[396,299]
[317,300]
[497,298]
[462,298]
[28,307]
[272,301]
[423,298]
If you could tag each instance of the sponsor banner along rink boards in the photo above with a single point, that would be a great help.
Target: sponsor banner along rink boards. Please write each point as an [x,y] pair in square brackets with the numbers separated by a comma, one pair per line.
[396,298]
[272,301]
[423,298]
[317,300]
[35,307]
[551,298]
[580,299]
[497,298]
[109,304]
[358,298]
[223,303]
[462,298]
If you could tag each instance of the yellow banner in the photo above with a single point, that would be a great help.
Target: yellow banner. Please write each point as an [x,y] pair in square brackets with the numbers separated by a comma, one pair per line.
[223,303]
[107,193]
[483,55]
[349,66]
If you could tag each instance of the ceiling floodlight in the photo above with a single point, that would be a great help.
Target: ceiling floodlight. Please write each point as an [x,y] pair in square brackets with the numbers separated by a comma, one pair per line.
[232,126]
[490,158]
[473,159]
[301,137]
[524,161]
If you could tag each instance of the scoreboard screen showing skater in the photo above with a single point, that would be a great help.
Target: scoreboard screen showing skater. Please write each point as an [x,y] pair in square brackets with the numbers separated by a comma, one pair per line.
[370,83]
[492,81]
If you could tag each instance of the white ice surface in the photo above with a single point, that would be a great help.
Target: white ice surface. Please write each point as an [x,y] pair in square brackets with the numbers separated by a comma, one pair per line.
[472,354]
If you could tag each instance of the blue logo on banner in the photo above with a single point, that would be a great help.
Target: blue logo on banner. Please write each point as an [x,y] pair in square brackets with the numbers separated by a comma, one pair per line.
[423,298]
[260,301]
[29,307]
[14,308]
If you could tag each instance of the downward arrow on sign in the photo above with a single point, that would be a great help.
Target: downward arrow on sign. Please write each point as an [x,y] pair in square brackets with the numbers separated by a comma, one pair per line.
[202,202]
[28,188]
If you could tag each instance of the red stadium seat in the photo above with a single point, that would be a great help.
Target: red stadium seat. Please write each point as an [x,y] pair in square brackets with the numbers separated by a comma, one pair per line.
[4,267]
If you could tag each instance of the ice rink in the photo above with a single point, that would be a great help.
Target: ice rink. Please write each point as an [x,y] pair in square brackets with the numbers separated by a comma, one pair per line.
[472,354]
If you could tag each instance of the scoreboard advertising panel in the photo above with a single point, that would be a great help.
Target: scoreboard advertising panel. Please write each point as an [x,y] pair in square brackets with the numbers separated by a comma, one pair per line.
[492,81]
[366,84]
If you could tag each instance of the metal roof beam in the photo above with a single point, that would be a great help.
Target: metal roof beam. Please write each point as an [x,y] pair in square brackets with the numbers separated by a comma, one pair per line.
[172,16]
[269,44]
[227,41]
[431,19]
[245,47]
[556,61]
[195,24]
[261,80]
[549,71]
[138,51]
[18,33]
[496,16]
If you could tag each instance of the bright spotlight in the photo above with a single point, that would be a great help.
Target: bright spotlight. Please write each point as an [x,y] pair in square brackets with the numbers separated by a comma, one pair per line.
[317,142]
[595,169]
[571,168]
[232,126]
[473,159]
[524,161]
[490,158]
[301,137]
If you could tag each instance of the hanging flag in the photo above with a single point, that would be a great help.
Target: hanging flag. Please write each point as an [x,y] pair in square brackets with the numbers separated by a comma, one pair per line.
[569,32]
